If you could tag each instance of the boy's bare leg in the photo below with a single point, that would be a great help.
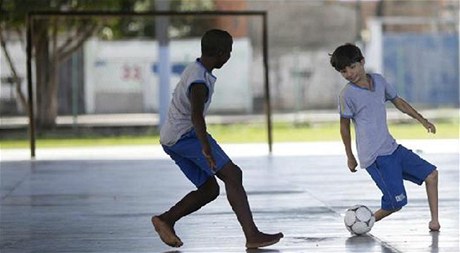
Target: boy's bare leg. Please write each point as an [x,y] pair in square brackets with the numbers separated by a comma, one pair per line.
[231,175]
[381,213]
[431,184]
[164,223]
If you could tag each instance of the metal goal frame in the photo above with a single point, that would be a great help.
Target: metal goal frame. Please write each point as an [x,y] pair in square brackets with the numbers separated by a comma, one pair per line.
[36,14]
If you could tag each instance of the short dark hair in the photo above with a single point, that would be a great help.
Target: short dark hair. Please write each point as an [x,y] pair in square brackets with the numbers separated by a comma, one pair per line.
[345,55]
[215,41]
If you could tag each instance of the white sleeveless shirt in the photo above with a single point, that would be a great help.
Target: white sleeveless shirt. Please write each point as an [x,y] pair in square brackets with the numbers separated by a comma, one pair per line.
[179,118]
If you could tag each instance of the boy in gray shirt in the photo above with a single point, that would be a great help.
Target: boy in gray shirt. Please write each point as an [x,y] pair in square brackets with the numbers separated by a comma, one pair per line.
[362,101]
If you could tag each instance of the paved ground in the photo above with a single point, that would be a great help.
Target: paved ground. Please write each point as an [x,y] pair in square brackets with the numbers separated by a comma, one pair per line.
[101,200]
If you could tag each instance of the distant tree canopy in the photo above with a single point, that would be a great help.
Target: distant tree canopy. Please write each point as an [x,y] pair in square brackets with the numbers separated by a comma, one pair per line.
[57,38]
[13,14]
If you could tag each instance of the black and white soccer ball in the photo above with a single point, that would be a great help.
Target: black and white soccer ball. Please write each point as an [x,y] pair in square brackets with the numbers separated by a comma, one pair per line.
[359,219]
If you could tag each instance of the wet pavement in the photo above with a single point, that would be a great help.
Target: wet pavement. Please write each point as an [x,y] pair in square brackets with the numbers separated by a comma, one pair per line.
[101,200]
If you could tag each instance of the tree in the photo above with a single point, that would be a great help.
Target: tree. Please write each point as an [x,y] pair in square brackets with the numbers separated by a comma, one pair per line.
[56,38]
[184,26]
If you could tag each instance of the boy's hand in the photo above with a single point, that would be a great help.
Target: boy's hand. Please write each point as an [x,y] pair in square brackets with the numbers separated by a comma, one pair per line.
[430,127]
[352,164]
[208,155]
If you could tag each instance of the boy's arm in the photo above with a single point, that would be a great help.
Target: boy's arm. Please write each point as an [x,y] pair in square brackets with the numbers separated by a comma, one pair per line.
[198,95]
[406,108]
[346,139]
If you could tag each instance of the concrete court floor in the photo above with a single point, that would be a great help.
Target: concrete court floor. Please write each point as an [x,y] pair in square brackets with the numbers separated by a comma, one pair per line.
[101,200]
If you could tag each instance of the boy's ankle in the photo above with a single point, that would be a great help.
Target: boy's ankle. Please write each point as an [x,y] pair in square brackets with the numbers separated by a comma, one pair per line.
[434,225]
[165,218]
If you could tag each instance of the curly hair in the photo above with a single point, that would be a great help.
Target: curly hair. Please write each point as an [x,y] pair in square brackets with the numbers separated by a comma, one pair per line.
[215,41]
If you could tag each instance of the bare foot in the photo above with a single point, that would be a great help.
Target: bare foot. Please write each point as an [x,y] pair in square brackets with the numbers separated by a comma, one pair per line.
[263,240]
[434,226]
[166,232]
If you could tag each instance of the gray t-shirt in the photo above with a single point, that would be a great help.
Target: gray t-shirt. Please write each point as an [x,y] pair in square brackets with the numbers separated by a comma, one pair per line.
[367,110]
[179,119]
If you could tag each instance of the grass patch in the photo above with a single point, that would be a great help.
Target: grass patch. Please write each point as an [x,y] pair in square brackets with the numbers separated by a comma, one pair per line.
[245,133]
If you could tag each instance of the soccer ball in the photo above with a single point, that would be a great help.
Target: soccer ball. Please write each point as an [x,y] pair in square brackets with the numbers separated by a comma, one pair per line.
[359,219]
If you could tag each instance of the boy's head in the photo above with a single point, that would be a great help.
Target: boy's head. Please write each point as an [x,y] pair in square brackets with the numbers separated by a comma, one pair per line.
[215,42]
[345,55]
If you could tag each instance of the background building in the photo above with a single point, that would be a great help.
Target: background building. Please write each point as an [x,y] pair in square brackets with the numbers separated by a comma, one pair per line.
[415,44]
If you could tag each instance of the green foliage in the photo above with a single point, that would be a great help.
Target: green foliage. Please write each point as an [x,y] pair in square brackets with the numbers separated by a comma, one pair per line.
[182,26]
[246,133]
[14,12]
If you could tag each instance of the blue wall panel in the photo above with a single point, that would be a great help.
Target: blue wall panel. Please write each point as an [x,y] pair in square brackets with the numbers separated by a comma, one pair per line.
[423,67]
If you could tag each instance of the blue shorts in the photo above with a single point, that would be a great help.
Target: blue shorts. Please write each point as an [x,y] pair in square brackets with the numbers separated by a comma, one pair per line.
[389,171]
[187,154]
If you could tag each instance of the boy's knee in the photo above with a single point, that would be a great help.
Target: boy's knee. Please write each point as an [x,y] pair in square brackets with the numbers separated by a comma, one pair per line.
[231,173]
[236,176]
[210,188]
[396,209]
[214,192]
[393,209]
[238,173]
[382,213]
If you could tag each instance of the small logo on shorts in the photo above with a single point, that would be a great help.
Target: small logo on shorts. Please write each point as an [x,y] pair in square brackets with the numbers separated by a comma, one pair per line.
[400,197]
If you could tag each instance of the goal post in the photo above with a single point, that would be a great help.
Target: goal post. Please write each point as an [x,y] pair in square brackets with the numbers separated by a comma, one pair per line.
[34,15]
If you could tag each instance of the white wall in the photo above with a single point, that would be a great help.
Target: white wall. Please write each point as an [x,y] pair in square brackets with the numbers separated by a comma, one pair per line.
[120,76]
[18,56]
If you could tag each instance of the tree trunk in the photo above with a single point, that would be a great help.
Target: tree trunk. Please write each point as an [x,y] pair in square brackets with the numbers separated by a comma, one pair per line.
[44,90]
[47,58]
